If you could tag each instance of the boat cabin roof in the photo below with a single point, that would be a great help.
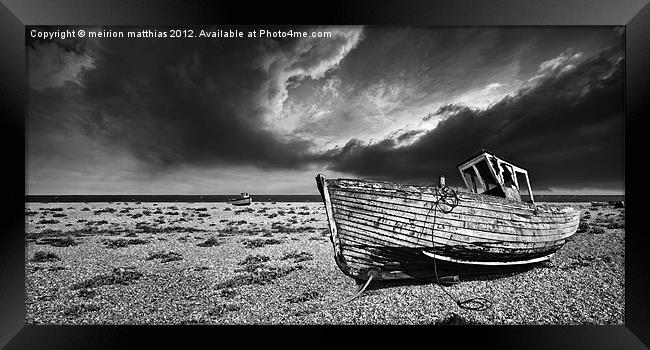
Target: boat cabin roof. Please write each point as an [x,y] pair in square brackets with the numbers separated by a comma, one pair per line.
[489,174]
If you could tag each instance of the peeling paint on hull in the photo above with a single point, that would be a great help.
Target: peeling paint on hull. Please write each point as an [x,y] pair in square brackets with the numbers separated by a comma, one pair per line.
[385,227]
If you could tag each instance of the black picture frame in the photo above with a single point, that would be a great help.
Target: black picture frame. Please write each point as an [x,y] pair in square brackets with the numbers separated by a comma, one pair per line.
[15,15]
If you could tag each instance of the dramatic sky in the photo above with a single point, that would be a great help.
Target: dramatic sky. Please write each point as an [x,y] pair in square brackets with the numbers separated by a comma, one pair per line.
[228,115]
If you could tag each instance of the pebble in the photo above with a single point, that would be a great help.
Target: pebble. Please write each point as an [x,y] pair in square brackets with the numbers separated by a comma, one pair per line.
[571,289]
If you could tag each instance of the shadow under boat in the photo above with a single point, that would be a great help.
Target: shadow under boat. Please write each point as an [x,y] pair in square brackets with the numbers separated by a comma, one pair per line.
[416,268]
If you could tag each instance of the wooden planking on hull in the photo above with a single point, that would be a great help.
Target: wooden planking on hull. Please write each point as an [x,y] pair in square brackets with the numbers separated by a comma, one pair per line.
[352,230]
[419,230]
[469,205]
[399,225]
[456,214]
[542,215]
[379,213]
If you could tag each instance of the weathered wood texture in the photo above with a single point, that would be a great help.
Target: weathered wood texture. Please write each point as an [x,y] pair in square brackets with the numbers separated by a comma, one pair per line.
[401,221]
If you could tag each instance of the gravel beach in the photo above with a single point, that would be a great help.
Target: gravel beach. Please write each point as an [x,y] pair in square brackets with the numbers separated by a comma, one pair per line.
[272,263]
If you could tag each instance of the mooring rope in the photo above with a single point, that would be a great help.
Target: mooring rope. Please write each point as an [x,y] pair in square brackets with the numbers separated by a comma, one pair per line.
[347,300]
[448,196]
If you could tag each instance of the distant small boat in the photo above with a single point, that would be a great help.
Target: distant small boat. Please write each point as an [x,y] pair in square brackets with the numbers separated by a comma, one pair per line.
[244,199]
[393,231]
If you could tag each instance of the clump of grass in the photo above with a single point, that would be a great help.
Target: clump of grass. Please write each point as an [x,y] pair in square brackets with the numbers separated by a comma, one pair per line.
[76,310]
[616,225]
[583,227]
[221,309]
[298,257]
[579,261]
[165,256]
[87,293]
[305,296]
[262,275]
[455,319]
[119,275]
[106,210]
[58,241]
[254,260]
[48,221]
[260,242]
[123,242]
[596,230]
[228,293]
[210,242]
[45,257]
[145,228]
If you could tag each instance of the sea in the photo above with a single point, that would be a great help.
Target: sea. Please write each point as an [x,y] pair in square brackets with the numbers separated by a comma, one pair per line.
[266,198]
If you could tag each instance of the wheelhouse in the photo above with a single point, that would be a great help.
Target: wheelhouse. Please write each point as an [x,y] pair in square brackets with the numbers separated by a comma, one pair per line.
[488,174]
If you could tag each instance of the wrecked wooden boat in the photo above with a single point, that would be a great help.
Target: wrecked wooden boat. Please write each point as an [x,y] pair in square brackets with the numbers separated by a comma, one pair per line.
[394,231]
[244,199]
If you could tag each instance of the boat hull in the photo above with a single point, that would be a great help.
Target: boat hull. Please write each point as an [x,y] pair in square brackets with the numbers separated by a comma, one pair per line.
[399,231]
[240,201]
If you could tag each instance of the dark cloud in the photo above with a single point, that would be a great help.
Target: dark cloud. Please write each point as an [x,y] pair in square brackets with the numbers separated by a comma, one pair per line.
[174,103]
[159,106]
[567,129]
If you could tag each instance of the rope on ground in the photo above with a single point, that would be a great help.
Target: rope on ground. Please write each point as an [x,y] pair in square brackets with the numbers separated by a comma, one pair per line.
[448,197]
[345,301]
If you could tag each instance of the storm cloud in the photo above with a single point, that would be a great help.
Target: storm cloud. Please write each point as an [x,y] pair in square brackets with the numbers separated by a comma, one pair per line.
[173,103]
[566,128]
[400,103]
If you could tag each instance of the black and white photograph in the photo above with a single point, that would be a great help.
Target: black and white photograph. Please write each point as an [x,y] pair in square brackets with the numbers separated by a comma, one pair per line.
[325,175]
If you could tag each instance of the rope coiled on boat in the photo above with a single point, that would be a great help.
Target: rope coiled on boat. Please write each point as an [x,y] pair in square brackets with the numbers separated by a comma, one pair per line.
[447,200]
